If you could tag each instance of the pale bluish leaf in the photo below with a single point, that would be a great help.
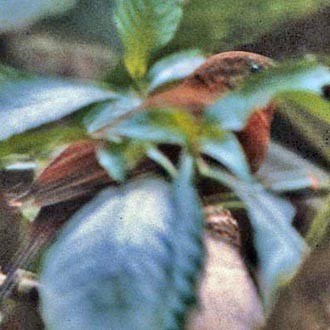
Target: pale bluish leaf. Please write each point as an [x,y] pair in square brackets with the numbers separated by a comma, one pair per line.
[31,103]
[284,170]
[228,152]
[279,247]
[106,113]
[174,67]
[113,162]
[159,125]
[160,158]
[129,242]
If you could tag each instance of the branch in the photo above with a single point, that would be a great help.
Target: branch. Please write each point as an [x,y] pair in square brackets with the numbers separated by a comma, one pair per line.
[26,286]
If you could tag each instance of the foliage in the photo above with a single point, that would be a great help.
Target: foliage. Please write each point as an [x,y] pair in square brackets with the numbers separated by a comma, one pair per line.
[145,26]
[270,217]
[139,244]
[143,263]
[30,103]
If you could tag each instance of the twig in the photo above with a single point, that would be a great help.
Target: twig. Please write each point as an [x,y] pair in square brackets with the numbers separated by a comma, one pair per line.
[26,286]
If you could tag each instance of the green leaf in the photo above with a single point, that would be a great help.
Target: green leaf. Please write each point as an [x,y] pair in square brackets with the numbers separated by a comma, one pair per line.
[145,26]
[314,130]
[129,242]
[30,103]
[228,151]
[315,105]
[174,67]
[233,110]
[39,143]
[320,225]
[285,171]
[280,248]
[16,14]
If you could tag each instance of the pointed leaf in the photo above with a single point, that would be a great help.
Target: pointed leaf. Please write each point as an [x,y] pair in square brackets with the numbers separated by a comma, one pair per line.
[228,152]
[112,160]
[160,158]
[144,26]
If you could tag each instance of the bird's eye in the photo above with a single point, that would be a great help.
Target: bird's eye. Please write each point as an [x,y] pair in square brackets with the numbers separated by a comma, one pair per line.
[326,92]
[254,67]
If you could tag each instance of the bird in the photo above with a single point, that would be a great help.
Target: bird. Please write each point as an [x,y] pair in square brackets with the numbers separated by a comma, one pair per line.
[75,175]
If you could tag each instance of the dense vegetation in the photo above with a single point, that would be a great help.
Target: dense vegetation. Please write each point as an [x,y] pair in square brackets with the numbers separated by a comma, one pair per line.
[131,257]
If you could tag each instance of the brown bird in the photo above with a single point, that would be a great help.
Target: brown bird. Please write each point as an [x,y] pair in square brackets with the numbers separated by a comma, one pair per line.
[75,175]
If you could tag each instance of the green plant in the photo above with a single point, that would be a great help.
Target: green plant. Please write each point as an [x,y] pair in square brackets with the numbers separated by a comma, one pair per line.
[139,245]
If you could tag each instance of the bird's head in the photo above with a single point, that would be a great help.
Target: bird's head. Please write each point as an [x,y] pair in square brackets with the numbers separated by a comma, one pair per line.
[224,71]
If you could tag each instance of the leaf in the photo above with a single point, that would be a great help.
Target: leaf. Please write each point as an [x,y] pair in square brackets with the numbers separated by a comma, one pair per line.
[284,171]
[112,160]
[187,243]
[28,104]
[119,158]
[145,26]
[228,152]
[315,131]
[159,125]
[160,158]
[233,110]
[39,143]
[104,114]
[174,67]
[129,242]
[320,225]
[18,14]
[313,104]
[279,247]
